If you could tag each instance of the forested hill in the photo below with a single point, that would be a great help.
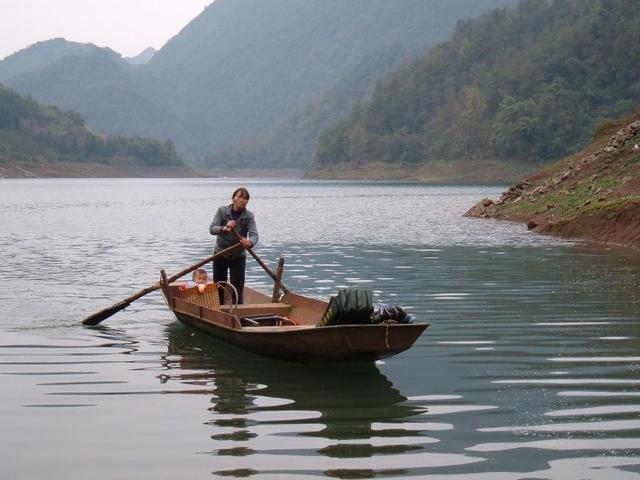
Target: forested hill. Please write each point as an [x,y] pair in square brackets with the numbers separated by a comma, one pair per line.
[527,83]
[36,137]
[292,142]
[240,68]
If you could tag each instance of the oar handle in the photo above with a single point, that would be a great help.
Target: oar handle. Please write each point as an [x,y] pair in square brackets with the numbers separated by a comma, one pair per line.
[105,313]
[182,273]
[259,260]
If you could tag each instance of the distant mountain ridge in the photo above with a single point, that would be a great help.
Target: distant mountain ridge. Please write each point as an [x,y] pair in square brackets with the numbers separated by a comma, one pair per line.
[240,68]
[293,141]
[103,83]
[143,57]
[40,55]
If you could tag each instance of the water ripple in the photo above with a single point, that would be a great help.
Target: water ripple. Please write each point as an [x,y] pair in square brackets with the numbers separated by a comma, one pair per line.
[532,346]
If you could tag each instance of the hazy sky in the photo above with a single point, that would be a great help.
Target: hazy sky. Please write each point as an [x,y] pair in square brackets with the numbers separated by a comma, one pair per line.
[126,26]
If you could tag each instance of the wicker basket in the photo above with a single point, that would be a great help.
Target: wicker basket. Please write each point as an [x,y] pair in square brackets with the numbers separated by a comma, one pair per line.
[209,298]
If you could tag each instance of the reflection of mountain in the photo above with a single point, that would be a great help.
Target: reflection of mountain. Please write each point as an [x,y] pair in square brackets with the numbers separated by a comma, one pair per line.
[346,398]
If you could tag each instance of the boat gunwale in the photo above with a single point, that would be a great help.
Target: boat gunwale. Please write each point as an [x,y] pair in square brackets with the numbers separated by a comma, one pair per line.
[286,328]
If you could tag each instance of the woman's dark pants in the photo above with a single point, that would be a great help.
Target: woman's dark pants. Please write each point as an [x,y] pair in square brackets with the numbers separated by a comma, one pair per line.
[235,268]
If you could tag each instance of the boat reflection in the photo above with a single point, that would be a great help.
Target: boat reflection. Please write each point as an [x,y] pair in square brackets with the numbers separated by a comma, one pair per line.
[338,410]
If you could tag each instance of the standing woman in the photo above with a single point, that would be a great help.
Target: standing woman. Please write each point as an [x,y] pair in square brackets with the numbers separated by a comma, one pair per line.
[227,217]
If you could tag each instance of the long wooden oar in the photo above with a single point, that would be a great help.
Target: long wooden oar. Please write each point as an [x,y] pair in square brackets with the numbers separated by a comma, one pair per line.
[259,260]
[98,317]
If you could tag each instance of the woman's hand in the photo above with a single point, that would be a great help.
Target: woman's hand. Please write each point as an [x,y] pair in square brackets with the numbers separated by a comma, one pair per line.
[231,224]
[246,243]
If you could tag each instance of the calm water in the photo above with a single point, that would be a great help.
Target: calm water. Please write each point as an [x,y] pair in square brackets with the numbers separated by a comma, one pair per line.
[530,368]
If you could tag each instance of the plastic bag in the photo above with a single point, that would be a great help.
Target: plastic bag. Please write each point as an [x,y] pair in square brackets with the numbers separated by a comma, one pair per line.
[383,312]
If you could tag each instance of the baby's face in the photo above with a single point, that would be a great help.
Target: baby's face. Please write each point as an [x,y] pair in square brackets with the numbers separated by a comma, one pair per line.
[200,279]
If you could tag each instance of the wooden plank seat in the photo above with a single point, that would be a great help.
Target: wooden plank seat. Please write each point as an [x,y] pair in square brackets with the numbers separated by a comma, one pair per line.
[280,309]
[284,328]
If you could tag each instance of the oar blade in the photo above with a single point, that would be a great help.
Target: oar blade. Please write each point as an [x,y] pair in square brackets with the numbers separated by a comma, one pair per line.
[98,317]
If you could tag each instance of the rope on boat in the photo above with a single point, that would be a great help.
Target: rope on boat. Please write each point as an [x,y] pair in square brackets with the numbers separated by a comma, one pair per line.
[386,335]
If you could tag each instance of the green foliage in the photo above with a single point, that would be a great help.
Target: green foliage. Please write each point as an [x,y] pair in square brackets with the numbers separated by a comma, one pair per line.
[332,140]
[12,109]
[527,83]
[33,130]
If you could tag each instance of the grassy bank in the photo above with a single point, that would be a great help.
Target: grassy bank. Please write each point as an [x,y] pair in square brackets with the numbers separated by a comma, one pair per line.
[592,195]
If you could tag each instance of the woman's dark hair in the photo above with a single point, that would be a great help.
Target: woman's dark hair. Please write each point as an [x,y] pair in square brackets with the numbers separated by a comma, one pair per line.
[242,192]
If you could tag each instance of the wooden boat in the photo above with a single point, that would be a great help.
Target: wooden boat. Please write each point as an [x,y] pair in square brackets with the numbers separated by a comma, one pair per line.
[285,327]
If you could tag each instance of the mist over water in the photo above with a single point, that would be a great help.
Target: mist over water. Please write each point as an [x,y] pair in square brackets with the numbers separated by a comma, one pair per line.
[530,368]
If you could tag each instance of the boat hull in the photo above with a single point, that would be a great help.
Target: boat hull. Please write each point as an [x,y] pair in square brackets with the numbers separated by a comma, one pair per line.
[338,343]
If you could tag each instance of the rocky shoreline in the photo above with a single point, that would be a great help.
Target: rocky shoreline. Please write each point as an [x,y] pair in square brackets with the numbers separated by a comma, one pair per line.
[593,195]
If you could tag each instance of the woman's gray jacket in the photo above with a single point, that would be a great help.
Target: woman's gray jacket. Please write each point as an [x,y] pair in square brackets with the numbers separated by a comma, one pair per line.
[245,226]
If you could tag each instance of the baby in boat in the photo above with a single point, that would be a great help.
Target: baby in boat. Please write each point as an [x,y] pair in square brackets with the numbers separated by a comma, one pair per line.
[198,279]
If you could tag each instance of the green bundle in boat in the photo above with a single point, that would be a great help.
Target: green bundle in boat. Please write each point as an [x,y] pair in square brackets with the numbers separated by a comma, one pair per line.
[351,306]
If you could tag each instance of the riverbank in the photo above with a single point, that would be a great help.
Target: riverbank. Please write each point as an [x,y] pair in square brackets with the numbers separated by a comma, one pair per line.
[462,172]
[102,170]
[593,195]
[91,170]
[283,173]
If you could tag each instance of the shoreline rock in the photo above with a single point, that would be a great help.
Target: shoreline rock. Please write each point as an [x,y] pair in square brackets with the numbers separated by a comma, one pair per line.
[593,195]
